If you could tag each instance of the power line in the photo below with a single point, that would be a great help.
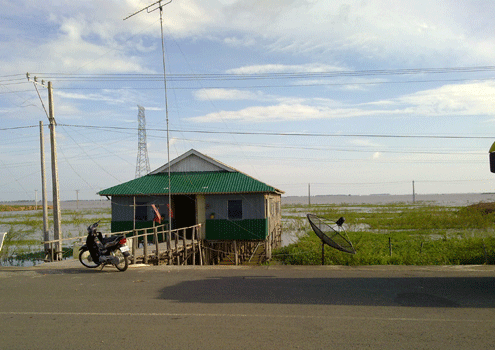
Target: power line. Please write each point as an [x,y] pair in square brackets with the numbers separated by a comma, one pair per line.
[267,133]
[268,75]
[306,84]
[19,127]
[336,148]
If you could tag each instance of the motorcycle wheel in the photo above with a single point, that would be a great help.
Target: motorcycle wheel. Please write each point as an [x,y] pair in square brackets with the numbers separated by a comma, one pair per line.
[123,261]
[86,259]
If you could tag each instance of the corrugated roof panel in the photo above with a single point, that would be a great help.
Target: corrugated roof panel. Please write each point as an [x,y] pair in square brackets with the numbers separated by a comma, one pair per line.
[182,183]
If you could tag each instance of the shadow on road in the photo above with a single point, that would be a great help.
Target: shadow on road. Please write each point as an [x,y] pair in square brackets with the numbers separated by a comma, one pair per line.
[476,292]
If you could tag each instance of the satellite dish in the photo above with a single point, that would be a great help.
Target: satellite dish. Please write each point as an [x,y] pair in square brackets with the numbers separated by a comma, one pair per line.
[331,233]
[2,236]
[492,158]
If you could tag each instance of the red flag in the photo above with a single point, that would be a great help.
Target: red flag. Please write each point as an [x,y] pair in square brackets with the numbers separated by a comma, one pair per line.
[158,217]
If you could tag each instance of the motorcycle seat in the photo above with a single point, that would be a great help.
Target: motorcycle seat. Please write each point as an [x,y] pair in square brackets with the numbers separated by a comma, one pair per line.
[107,241]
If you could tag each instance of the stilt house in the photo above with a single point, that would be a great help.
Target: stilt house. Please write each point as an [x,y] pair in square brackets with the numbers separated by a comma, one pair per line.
[229,205]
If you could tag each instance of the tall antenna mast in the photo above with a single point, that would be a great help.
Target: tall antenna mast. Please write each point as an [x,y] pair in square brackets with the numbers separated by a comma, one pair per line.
[142,163]
[149,9]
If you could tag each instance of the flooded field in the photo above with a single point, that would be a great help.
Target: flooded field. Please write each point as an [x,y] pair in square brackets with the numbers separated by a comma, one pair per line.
[420,224]
[23,244]
[420,233]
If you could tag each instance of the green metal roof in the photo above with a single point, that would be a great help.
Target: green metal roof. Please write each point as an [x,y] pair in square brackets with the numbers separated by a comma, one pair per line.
[190,183]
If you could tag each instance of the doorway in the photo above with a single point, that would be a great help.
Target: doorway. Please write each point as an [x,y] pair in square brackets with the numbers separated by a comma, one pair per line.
[184,209]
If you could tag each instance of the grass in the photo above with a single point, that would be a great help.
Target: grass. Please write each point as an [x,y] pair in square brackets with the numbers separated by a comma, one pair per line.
[420,234]
[23,242]
[5,207]
[398,234]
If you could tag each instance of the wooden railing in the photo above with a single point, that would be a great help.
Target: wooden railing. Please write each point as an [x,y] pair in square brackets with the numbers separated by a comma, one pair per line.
[172,247]
[56,254]
[158,245]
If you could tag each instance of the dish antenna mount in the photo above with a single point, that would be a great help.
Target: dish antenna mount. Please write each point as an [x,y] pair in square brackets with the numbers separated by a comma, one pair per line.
[332,234]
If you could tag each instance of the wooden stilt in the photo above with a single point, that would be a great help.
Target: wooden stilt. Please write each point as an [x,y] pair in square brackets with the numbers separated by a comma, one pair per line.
[145,248]
[157,246]
[184,246]
[236,253]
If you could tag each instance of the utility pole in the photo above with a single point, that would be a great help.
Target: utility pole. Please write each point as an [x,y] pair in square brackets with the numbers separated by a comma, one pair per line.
[309,195]
[414,193]
[57,234]
[77,199]
[46,235]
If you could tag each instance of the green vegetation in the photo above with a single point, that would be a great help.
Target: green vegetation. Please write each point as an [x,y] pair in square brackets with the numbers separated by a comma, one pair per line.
[419,234]
[4,207]
[23,244]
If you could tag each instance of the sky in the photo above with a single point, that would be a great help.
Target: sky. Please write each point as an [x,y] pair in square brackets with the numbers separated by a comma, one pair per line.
[344,97]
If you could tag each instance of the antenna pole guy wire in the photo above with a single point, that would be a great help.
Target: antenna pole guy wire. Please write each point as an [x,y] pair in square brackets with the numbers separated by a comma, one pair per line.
[160,7]
[166,115]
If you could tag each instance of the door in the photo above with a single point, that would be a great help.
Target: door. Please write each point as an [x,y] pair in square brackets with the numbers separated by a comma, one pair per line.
[184,208]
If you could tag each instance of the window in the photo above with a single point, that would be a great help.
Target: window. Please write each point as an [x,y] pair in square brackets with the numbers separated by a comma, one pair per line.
[235,209]
[141,211]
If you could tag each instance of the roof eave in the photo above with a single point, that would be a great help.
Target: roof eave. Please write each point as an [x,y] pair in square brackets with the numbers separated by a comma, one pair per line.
[188,193]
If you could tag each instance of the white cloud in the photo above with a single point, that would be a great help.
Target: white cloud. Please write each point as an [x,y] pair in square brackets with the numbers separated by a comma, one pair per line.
[109,96]
[74,52]
[349,84]
[92,36]
[224,94]
[277,113]
[474,98]
[274,113]
[363,142]
[284,68]
[236,42]
[461,99]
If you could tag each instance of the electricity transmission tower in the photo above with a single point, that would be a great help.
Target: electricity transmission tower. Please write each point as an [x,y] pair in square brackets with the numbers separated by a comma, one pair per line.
[143,163]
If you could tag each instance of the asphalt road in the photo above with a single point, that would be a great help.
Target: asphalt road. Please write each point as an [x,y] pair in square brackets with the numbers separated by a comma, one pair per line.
[65,306]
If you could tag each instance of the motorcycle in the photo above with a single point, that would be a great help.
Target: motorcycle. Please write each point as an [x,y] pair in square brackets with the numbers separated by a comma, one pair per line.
[100,251]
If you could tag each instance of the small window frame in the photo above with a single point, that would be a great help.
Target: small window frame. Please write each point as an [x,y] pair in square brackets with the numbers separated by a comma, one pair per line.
[234,209]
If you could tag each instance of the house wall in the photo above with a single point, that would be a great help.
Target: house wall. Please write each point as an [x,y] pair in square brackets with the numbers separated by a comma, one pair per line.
[252,226]
[193,164]
[123,207]
[274,215]
[252,205]
[260,212]
[273,208]
[123,211]
[201,213]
